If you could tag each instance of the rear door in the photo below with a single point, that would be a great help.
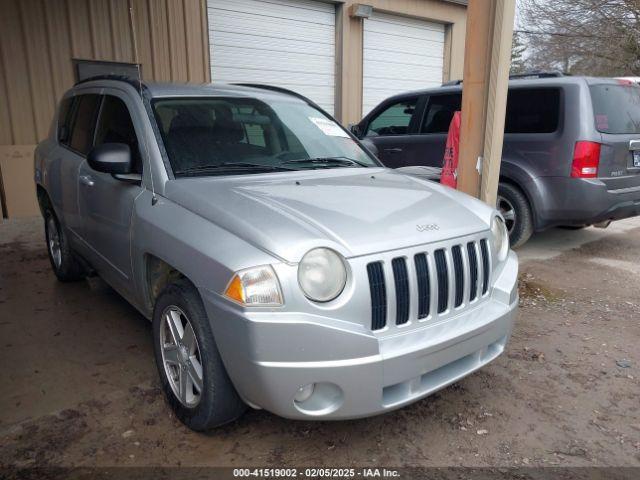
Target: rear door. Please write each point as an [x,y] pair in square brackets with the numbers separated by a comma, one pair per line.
[616,110]
[434,127]
[75,142]
[392,130]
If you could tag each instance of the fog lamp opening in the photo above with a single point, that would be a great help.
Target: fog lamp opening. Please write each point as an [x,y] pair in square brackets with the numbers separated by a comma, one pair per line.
[304,393]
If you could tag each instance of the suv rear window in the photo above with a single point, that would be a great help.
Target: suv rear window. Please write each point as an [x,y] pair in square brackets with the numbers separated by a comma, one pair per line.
[616,108]
[532,110]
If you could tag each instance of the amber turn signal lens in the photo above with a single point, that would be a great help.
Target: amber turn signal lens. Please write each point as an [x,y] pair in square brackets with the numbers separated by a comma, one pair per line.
[235,291]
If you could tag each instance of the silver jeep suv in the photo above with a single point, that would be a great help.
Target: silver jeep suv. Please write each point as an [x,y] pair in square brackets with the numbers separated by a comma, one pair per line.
[281,265]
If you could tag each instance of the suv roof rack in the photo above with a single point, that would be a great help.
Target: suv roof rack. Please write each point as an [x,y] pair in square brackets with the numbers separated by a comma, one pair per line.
[537,74]
[286,91]
[518,76]
[134,82]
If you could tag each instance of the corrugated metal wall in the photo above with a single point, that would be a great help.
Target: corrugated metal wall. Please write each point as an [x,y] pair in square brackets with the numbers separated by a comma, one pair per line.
[39,38]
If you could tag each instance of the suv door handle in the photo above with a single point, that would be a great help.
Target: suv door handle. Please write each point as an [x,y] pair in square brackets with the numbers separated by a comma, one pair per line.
[87,180]
[392,150]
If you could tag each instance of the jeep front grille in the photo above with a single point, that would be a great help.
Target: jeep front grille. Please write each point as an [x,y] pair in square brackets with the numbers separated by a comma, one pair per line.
[442,280]
[378,295]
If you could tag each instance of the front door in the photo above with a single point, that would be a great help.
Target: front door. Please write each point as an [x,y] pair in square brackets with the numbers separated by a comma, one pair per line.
[106,203]
[391,131]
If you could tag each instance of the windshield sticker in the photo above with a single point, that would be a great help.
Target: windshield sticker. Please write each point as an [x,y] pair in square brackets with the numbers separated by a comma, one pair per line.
[329,127]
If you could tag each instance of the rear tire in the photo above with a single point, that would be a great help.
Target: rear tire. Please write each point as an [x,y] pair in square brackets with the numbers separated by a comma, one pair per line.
[64,262]
[192,374]
[515,209]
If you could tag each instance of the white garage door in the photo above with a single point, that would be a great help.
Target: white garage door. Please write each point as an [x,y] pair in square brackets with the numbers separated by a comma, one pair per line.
[287,43]
[400,54]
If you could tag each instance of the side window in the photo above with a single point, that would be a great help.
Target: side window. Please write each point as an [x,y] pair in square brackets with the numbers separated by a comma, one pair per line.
[115,126]
[439,112]
[532,110]
[81,138]
[394,120]
[64,119]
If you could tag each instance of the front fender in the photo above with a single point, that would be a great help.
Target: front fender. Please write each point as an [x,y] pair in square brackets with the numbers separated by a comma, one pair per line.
[205,253]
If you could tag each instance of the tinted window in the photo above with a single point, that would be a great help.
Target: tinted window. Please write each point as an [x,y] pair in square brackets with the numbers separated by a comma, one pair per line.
[394,120]
[616,108]
[64,119]
[211,136]
[115,126]
[439,112]
[532,110]
[84,120]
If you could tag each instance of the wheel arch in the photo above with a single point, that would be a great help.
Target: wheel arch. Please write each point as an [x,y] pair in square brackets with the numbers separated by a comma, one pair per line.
[43,198]
[157,275]
[504,178]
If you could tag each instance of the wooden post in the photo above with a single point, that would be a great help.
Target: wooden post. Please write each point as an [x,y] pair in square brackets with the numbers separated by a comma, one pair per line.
[487,60]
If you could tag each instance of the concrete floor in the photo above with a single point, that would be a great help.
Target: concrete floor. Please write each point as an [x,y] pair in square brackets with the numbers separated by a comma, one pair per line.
[79,385]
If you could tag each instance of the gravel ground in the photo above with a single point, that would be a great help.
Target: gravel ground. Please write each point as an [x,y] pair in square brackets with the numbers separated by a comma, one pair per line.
[79,386]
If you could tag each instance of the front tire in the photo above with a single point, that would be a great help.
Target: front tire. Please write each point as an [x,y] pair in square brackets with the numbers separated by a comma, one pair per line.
[192,374]
[64,263]
[515,208]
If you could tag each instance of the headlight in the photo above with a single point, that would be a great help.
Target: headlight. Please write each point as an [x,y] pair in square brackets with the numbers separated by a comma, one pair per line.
[255,287]
[500,237]
[322,275]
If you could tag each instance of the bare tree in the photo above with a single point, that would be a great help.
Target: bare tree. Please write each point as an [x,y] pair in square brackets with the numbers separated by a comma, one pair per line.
[518,57]
[582,37]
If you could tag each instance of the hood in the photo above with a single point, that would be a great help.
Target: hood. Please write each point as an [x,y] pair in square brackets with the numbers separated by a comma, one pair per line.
[355,211]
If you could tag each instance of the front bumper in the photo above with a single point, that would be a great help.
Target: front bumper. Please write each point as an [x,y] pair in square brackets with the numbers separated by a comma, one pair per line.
[270,355]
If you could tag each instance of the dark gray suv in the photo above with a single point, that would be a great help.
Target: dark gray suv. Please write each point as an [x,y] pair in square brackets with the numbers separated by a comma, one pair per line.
[571,154]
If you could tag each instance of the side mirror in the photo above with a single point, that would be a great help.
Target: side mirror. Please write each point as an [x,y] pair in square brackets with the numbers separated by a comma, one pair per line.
[113,158]
[355,129]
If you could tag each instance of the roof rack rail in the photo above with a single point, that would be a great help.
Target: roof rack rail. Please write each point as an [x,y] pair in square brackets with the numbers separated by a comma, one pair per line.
[537,74]
[134,82]
[273,88]
[518,76]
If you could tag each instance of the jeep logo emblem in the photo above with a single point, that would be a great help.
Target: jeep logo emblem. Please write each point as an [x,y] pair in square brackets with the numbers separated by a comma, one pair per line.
[428,227]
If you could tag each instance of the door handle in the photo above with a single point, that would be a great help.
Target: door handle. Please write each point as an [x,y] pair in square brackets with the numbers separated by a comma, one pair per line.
[392,150]
[87,180]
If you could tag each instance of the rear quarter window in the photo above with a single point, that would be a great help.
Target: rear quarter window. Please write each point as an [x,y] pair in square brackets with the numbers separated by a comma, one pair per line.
[532,110]
[64,119]
[616,108]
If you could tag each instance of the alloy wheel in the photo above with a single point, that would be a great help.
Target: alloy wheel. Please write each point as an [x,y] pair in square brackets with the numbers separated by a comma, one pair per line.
[181,356]
[508,212]
[53,240]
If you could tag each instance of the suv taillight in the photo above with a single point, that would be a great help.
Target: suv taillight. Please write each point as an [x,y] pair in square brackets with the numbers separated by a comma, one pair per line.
[586,158]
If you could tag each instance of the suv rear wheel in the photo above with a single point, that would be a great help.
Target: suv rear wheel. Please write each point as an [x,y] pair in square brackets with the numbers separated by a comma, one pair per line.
[191,371]
[514,207]
[63,261]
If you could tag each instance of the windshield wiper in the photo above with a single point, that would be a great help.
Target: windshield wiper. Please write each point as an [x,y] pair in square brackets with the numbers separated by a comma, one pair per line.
[342,161]
[229,167]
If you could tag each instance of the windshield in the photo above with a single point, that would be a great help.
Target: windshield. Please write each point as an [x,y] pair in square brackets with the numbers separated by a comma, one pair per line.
[616,108]
[222,136]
